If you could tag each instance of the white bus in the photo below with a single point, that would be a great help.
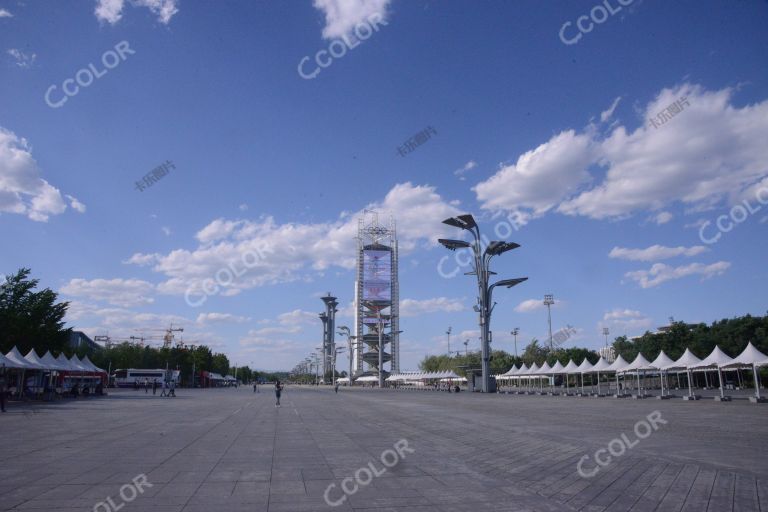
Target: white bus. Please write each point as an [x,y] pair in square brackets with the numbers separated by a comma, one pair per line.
[126,378]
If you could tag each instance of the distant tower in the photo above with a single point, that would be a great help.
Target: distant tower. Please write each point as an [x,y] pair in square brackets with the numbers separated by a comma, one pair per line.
[377,296]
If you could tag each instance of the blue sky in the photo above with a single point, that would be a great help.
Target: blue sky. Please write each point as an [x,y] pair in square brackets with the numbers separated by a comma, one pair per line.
[609,209]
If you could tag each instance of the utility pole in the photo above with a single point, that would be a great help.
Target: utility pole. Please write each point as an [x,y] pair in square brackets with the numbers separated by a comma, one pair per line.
[466,347]
[448,332]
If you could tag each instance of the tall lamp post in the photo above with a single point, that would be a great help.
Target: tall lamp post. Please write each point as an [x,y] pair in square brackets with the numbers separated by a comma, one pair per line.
[515,332]
[481,269]
[548,301]
[606,332]
[448,333]
[466,347]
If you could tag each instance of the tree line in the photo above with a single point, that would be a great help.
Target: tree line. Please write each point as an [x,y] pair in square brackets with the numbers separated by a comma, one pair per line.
[34,319]
[731,335]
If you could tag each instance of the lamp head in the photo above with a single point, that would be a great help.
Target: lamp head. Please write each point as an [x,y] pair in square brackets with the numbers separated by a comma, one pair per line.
[453,244]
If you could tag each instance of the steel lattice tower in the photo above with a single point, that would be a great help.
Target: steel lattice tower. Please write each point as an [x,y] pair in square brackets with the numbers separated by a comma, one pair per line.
[377,296]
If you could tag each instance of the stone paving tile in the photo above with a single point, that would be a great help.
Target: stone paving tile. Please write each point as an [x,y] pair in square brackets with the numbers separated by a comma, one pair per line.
[230,449]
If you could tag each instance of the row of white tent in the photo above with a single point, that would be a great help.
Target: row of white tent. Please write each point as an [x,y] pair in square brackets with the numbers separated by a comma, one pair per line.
[14,359]
[750,358]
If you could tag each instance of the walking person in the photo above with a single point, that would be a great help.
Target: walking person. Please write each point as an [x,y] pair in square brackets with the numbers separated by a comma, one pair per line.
[146,385]
[278,391]
[154,387]
[255,386]
[336,388]
[172,392]
[164,386]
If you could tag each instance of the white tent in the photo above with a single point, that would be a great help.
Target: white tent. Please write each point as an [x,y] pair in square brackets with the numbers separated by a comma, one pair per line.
[600,366]
[51,362]
[716,360]
[544,370]
[754,358]
[685,362]
[570,368]
[21,362]
[618,366]
[88,364]
[10,363]
[33,358]
[584,367]
[639,364]
[661,362]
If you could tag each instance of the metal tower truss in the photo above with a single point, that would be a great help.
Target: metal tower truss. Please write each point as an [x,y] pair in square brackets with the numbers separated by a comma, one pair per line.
[377,296]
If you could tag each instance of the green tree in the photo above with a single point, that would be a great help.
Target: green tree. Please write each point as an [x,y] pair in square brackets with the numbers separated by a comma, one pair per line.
[29,318]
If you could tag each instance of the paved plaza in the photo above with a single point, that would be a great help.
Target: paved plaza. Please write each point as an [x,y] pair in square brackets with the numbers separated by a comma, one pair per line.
[233,450]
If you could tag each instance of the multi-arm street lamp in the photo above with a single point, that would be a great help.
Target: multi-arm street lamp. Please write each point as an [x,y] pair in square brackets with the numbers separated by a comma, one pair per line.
[548,301]
[606,332]
[481,269]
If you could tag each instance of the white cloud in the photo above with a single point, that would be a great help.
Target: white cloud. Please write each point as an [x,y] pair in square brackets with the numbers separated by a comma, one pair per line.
[5,14]
[75,204]
[540,178]
[467,167]
[297,317]
[166,230]
[341,16]
[208,318]
[413,307]
[607,114]
[118,292]
[530,305]
[243,207]
[22,190]
[111,11]
[288,252]
[23,60]
[655,252]
[710,152]
[662,218]
[660,272]
[626,320]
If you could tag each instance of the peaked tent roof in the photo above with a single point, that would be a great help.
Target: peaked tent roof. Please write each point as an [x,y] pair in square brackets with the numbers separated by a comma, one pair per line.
[571,367]
[557,367]
[75,361]
[87,362]
[511,371]
[545,368]
[10,363]
[585,366]
[749,356]
[640,363]
[52,362]
[601,365]
[662,361]
[33,358]
[716,358]
[533,369]
[687,360]
[523,369]
[619,365]
[21,362]
[66,363]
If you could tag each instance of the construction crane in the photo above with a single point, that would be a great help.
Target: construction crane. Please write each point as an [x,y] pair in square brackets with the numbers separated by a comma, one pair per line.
[167,337]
